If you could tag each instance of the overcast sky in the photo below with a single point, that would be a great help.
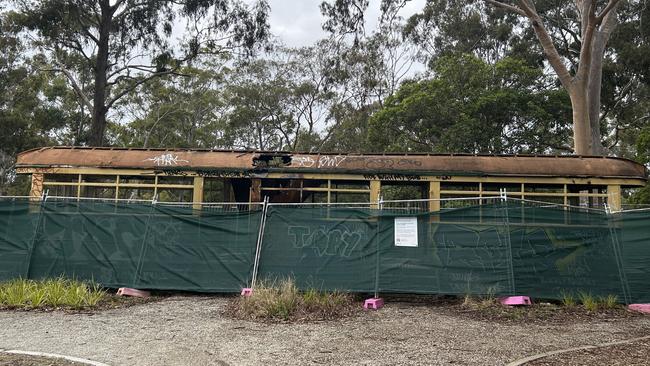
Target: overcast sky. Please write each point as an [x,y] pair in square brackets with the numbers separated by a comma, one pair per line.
[298,22]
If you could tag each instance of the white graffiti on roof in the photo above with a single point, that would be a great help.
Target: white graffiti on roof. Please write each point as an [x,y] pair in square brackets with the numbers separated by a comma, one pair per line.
[324,161]
[166,160]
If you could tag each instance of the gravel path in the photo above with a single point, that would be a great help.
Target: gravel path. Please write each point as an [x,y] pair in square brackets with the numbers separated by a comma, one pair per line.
[192,331]
[632,354]
[25,360]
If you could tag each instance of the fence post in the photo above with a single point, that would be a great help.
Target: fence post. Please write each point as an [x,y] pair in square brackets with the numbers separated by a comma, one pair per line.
[32,244]
[618,256]
[608,209]
[506,221]
[143,250]
[260,239]
[377,251]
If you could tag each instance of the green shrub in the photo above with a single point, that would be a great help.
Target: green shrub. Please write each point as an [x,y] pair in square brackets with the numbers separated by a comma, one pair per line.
[55,293]
[281,300]
[15,293]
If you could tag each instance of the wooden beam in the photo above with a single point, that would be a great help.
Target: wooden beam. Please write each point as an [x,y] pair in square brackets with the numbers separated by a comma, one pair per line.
[434,194]
[256,190]
[375,191]
[197,195]
[117,187]
[329,191]
[343,190]
[614,197]
[36,190]
[632,182]
[474,179]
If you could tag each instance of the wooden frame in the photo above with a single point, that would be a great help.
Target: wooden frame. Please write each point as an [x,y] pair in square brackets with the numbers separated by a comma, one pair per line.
[117,184]
[436,189]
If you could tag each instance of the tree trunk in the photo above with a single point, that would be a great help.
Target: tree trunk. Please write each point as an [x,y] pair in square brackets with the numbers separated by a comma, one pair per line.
[584,87]
[601,37]
[582,135]
[98,127]
[595,83]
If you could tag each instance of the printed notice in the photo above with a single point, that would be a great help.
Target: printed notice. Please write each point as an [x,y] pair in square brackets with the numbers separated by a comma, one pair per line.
[406,231]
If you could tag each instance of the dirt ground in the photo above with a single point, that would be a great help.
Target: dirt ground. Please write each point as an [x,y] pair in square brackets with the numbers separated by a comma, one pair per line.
[184,330]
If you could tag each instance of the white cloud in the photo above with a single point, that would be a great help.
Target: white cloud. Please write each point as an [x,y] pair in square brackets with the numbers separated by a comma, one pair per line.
[298,23]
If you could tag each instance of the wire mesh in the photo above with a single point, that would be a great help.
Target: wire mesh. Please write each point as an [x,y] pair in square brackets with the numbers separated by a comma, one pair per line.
[19,198]
[212,207]
[427,205]
[394,206]
[91,201]
[355,205]
[634,207]
[542,204]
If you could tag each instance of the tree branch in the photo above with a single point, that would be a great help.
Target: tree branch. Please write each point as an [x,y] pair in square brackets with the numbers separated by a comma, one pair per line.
[78,90]
[587,45]
[608,8]
[508,7]
[128,89]
[608,24]
[552,55]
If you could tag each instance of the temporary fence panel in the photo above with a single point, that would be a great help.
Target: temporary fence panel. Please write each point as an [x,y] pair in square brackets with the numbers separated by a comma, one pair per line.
[634,254]
[211,250]
[458,251]
[506,249]
[326,248]
[90,241]
[19,220]
[145,246]
[559,252]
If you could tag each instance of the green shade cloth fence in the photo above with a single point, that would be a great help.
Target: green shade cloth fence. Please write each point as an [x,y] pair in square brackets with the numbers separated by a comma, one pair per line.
[133,245]
[502,248]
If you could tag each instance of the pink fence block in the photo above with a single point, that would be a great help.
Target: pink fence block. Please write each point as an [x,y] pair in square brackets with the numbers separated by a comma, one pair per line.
[247,291]
[642,308]
[515,301]
[126,291]
[374,303]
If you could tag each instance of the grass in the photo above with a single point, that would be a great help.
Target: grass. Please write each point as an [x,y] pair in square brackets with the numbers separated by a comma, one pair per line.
[481,301]
[589,301]
[568,299]
[50,293]
[568,307]
[282,300]
[609,302]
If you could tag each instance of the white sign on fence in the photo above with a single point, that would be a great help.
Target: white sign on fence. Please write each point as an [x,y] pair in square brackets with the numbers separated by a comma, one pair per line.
[406,231]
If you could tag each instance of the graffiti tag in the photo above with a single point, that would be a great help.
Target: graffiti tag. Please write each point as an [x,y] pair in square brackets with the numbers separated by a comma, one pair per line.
[324,161]
[393,177]
[166,160]
[324,241]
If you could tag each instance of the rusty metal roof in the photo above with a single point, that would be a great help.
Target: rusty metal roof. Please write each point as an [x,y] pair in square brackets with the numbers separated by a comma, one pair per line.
[407,163]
